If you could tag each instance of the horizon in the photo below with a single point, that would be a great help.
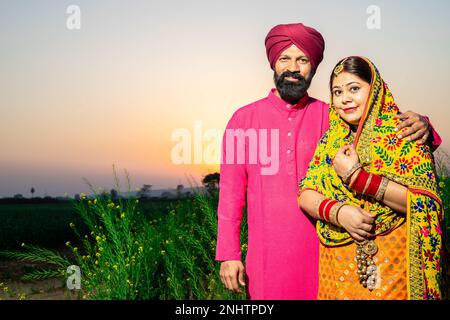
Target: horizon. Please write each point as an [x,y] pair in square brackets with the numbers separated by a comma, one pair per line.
[114,89]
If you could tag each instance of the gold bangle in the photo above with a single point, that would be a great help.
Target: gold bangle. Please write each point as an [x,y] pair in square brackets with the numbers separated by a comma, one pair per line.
[350,172]
[382,189]
[334,212]
[367,184]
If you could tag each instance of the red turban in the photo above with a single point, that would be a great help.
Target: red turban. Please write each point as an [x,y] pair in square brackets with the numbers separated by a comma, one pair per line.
[307,39]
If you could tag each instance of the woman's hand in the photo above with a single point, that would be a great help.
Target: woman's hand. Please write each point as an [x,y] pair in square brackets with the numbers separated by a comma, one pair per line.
[345,159]
[358,222]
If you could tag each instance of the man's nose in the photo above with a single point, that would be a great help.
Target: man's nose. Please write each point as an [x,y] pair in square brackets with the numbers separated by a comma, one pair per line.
[293,66]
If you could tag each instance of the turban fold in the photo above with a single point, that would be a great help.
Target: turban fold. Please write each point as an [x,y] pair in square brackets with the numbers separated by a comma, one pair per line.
[307,39]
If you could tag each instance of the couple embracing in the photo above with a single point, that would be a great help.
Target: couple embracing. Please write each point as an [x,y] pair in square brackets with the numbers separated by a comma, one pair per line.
[353,211]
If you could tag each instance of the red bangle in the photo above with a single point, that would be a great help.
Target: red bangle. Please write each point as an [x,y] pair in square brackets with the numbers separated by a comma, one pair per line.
[352,181]
[374,185]
[325,208]
[328,209]
[361,181]
[321,207]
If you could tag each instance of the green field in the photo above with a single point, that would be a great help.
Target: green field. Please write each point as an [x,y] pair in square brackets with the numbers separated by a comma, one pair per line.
[128,249]
[47,224]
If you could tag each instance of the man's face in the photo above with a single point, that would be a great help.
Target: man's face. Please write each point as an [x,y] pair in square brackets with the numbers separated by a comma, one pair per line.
[292,74]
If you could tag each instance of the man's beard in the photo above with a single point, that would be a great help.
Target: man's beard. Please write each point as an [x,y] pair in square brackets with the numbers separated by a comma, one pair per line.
[291,91]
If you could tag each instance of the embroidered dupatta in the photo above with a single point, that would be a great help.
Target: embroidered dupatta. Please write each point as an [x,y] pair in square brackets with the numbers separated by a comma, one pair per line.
[405,162]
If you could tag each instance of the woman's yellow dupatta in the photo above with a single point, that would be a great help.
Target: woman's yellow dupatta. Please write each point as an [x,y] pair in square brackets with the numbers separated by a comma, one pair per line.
[405,162]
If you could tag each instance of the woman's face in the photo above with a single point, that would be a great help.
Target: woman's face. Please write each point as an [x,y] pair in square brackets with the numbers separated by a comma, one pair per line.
[350,94]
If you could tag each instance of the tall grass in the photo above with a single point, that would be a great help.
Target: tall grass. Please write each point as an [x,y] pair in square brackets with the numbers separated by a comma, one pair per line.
[130,255]
[442,160]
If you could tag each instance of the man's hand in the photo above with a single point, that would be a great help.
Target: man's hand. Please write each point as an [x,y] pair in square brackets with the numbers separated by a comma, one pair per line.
[358,222]
[417,127]
[230,272]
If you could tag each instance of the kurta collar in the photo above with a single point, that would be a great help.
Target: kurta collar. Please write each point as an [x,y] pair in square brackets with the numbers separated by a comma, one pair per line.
[280,103]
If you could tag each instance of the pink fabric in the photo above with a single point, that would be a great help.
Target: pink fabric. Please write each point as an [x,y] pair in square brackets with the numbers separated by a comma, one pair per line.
[435,138]
[283,248]
[307,39]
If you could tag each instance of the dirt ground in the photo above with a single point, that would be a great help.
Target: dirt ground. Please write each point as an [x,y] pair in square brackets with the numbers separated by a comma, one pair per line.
[13,288]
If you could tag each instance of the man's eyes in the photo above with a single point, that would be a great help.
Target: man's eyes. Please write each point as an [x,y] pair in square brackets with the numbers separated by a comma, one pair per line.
[302,60]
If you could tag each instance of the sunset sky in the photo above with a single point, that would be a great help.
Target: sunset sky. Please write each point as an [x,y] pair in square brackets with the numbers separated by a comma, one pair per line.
[75,102]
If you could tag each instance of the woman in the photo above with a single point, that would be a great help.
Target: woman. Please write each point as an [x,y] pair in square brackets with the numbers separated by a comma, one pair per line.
[375,197]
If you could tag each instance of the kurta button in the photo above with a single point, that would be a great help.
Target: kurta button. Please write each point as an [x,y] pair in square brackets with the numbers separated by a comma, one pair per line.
[288,106]
[288,151]
[289,134]
[290,119]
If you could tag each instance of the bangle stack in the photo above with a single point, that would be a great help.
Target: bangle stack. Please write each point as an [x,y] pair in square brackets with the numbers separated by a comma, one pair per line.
[369,184]
[349,173]
[328,210]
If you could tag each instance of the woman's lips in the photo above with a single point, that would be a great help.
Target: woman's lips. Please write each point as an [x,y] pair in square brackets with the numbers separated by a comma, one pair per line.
[350,110]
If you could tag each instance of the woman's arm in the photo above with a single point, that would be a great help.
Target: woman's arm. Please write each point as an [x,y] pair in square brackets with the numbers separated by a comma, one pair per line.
[307,201]
[395,194]
[358,222]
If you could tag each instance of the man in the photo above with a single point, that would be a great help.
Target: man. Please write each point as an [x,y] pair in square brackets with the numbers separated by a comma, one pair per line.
[282,257]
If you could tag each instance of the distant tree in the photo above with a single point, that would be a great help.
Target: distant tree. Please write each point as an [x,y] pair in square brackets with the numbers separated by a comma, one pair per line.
[145,191]
[180,189]
[114,194]
[77,196]
[211,182]
[18,196]
[32,192]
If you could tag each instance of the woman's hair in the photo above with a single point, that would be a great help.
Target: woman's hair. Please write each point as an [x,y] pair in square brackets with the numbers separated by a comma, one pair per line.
[354,65]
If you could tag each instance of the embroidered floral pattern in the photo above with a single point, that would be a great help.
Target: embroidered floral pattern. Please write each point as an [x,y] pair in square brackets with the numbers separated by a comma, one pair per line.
[405,162]
[391,142]
[403,166]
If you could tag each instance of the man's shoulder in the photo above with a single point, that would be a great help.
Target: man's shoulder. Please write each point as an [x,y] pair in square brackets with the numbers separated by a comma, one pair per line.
[248,109]
[317,102]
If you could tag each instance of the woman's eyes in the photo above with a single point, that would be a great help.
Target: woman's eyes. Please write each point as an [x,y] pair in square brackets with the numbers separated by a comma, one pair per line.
[352,90]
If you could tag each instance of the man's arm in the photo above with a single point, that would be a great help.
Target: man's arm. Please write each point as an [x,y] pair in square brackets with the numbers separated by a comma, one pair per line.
[232,190]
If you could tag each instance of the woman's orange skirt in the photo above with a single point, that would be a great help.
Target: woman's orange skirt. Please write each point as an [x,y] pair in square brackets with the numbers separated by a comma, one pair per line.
[337,270]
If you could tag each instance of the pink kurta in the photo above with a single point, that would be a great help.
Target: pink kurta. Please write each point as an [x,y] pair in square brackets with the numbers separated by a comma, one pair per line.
[283,248]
